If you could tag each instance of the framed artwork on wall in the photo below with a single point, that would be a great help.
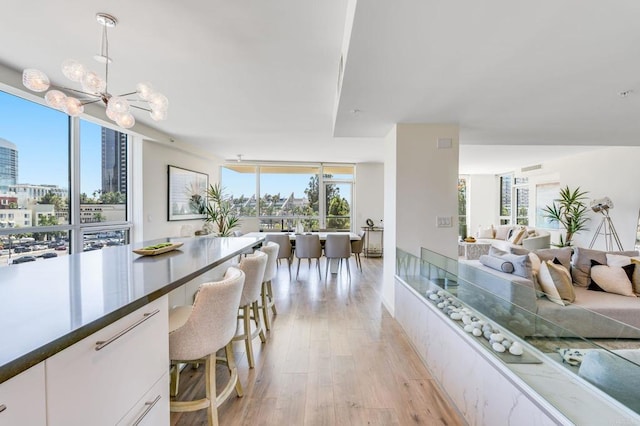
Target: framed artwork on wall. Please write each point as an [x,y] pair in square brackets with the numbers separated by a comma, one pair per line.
[187,193]
[545,194]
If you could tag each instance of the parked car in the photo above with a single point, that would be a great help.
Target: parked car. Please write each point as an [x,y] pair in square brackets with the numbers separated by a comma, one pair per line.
[4,252]
[48,255]
[61,248]
[21,249]
[23,259]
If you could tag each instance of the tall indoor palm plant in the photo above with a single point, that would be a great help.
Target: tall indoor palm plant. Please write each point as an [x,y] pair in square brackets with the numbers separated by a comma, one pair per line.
[570,211]
[220,211]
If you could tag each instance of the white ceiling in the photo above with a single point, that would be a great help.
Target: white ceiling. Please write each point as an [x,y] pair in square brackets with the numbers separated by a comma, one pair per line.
[259,78]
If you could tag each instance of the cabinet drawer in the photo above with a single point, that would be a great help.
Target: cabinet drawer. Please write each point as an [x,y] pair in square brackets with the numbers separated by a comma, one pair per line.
[152,409]
[22,399]
[98,387]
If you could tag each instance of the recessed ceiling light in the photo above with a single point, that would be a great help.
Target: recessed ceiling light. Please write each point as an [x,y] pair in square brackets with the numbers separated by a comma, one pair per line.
[625,93]
[355,111]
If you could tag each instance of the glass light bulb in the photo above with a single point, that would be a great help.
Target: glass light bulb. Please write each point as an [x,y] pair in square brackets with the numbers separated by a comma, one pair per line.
[145,90]
[111,114]
[73,106]
[118,104]
[35,80]
[93,83]
[125,120]
[73,70]
[55,99]
[158,101]
[158,114]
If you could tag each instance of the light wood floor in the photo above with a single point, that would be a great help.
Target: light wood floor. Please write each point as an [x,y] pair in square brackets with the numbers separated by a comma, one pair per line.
[334,356]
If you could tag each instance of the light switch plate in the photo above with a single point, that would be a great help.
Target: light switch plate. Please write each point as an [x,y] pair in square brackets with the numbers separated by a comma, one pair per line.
[443,221]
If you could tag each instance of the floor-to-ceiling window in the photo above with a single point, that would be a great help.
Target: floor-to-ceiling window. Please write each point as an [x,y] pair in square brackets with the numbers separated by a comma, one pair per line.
[462,207]
[63,183]
[281,195]
[505,198]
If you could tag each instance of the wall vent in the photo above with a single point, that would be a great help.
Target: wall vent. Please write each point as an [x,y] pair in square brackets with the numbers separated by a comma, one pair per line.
[530,168]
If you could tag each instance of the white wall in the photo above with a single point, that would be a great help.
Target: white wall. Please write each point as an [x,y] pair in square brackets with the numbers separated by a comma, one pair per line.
[483,202]
[369,194]
[611,172]
[155,159]
[388,291]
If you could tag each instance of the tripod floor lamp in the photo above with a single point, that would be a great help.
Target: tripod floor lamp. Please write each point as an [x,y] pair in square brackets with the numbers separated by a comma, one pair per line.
[606,227]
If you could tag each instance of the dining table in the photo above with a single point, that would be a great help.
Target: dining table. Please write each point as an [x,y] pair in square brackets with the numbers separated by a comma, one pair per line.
[292,235]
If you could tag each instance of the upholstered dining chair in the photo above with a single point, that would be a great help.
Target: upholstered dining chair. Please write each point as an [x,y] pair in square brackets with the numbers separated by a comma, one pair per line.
[198,331]
[356,249]
[253,266]
[285,250]
[268,302]
[337,246]
[308,247]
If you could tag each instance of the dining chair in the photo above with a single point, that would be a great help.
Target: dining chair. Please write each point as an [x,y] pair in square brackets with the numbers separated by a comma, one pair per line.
[285,250]
[308,247]
[337,246]
[253,266]
[198,331]
[356,249]
[268,302]
[244,252]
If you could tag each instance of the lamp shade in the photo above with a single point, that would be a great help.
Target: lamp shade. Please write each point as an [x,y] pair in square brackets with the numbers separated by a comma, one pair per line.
[35,80]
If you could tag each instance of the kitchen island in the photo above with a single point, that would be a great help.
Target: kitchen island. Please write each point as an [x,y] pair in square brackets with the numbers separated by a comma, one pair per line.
[50,307]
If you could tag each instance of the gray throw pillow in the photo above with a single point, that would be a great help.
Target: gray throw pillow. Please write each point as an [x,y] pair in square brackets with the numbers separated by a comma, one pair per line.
[521,263]
[581,263]
[562,254]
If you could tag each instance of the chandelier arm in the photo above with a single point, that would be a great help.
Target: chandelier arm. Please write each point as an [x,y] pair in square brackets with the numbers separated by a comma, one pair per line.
[127,94]
[90,102]
[76,91]
[139,107]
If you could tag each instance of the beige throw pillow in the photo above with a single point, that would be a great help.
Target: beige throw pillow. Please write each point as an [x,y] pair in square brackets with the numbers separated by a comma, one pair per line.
[620,260]
[486,233]
[612,279]
[555,282]
[502,232]
[517,235]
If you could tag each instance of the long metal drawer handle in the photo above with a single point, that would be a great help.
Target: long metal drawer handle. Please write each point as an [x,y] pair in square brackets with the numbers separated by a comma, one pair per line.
[2,408]
[150,405]
[102,343]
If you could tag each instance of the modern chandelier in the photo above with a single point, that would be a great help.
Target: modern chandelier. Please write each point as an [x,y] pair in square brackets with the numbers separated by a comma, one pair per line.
[96,89]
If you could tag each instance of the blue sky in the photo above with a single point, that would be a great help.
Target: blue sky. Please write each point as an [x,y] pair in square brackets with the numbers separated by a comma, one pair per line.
[41,136]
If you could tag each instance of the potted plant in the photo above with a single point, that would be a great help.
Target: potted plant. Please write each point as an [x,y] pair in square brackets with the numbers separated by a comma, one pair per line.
[220,211]
[570,211]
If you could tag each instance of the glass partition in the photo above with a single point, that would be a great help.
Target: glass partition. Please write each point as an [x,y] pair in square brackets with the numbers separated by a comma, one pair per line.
[550,345]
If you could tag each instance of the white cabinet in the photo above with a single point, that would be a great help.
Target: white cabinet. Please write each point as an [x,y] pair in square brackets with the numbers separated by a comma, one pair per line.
[98,384]
[152,409]
[22,399]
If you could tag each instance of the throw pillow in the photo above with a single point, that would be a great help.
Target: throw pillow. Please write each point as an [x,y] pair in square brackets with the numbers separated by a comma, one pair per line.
[535,271]
[521,263]
[496,263]
[581,263]
[619,260]
[612,279]
[502,232]
[486,233]
[548,284]
[517,235]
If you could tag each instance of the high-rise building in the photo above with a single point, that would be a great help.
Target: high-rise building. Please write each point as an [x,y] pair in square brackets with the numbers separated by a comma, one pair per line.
[114,161]
[8,165]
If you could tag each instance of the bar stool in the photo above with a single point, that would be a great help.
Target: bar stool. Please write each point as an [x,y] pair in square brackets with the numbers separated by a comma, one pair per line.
[197,332]
[271,250]
[285,251]
[337,246]
[308,247]
[253,266]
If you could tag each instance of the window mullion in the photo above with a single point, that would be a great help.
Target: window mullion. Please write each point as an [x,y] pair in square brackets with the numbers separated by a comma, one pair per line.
[74,199]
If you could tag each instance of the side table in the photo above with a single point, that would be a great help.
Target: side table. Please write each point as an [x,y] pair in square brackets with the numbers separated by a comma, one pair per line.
[473,251]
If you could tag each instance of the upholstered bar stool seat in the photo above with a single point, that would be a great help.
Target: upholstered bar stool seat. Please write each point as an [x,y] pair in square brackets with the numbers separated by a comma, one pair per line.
[253,266]
[356,249]
[271,249]
[197,332]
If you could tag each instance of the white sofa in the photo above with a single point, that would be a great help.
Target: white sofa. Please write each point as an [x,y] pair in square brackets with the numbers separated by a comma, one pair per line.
[505,236]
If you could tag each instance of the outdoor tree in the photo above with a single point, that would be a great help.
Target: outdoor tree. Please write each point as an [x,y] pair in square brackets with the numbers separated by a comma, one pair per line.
[59,203]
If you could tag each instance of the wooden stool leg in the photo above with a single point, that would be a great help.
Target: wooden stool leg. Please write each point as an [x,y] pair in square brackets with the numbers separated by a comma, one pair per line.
[233,369]
[265,306]
[256,319]
[175,380]
[210,389]
[247,334]
[271,301]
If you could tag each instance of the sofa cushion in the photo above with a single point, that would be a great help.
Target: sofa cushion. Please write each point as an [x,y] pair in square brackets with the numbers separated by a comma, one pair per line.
[521,263]
[486,233]
[496,263]
[581,263]
[555,282]
[612,279]
[562,254]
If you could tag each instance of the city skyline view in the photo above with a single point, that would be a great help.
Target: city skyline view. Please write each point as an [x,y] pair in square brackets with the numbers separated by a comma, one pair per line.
[41,137]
